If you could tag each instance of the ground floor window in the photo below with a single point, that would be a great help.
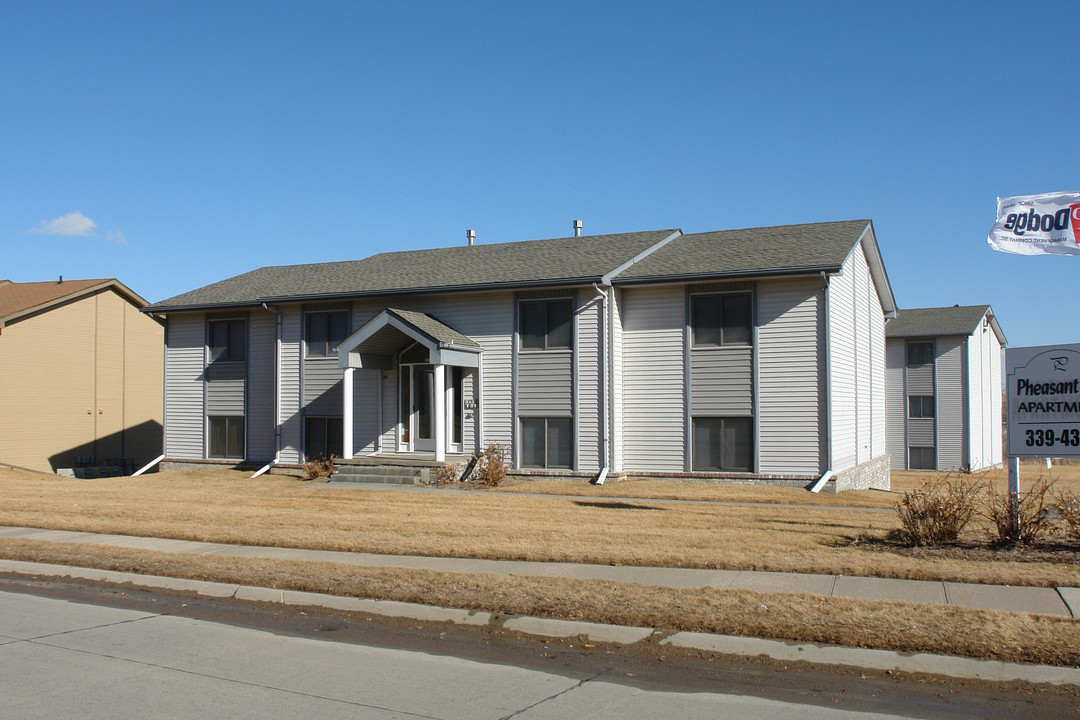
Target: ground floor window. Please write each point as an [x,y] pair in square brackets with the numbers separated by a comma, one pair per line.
[323,437]
[722,443]
[227,437]
[922,458]
[547,442]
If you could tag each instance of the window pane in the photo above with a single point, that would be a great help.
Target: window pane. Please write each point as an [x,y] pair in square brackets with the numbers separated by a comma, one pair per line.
[404,409]
[533,324]
[219,340]
[532,442]
[738,448]
[337,331]
[236,437]
[559,443]
[316,333]
[707,318]
[922,458]
[707,435]
[921,406]
[559,317]
[920,353]
[736,319]
[237,340]
[217,437]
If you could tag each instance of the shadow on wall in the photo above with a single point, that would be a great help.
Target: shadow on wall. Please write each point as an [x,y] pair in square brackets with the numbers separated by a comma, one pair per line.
[140,443]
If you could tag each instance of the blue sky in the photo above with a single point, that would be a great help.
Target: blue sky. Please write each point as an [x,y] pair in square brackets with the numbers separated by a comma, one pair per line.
[172,145]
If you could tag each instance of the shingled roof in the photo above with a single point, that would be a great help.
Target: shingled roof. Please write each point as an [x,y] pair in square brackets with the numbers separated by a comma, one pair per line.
[516,264]
[941,322]
[21,299]
[623,259]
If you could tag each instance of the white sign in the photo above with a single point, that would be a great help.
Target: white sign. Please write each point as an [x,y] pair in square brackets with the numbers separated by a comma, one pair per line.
[1047,224]
[1043,389]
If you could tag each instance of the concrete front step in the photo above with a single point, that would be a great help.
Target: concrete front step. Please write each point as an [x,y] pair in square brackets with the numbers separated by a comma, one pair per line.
[373,478]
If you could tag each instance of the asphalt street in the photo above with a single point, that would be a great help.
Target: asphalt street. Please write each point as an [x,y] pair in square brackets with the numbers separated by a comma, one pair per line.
[60,658]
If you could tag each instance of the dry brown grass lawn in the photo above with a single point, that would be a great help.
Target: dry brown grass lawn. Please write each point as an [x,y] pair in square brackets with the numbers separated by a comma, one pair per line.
[1014,637]
[230,507]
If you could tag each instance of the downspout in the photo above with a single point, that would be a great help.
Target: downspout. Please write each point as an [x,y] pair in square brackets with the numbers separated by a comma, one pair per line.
[277,392]
[605,395]
[820,483]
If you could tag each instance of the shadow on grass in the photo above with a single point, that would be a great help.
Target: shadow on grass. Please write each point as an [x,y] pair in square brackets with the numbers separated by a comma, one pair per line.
[615,505]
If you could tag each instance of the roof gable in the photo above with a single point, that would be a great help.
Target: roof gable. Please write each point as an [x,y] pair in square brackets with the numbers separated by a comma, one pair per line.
[20,299]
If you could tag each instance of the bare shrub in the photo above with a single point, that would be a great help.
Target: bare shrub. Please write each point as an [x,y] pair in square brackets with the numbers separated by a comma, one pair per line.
[1023,520]
[1069,510]
[491,466]
[317,468]
[445,474]
[937,513]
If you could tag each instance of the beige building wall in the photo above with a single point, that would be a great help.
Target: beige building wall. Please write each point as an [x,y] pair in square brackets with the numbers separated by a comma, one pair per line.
[81,378]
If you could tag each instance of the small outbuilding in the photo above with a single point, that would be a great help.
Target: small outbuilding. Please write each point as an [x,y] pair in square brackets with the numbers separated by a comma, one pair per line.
[944,388]
[80,375]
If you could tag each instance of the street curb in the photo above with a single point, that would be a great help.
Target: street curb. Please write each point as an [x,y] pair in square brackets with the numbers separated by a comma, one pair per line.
[545,627]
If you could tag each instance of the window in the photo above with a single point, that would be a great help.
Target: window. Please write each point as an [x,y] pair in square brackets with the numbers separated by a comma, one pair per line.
[323,437]
[227,437]
[723,444]
[721,319]
[228,340]
[921,406]
[922,458]
[325,331]
[546,324]
[547,442]
[920,353]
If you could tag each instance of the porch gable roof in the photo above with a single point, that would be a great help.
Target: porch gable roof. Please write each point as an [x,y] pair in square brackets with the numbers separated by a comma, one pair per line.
[374,344]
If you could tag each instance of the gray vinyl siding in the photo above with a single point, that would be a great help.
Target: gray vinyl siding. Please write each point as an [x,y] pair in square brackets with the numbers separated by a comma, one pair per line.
[292,426]
[388,435]
[920,379]
[185,352]
[544,384]
[365,410]
[654,391]
[842,400]
[588,444]
[261,362]
[721,381]
[950,403]
[225,388]
[616,386]
[921,432]
[791,382]
[322,387]
[897,403]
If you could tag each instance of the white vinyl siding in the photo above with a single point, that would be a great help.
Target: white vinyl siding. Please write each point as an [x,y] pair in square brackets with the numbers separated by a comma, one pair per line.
[949,381]
[879,421]
[791,383]
[896,351]
[842,400]
[864,367]
[616,386]
[654,392]
[984,378]
[993,390]
[261,363]
[185,354]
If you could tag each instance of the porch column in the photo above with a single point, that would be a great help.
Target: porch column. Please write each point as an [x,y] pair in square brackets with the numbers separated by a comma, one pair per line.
[440,413]
[347,412]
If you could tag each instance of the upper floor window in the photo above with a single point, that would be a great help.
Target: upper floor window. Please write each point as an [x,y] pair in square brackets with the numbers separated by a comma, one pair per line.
[920,353]
[325,331]
[228,340]
[546,324]
[920,406]
[721,319]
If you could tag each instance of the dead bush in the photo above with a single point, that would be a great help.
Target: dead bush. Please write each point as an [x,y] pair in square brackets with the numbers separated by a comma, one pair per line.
[1069,511]
[937,513]
[1023,520]
[445,474]
[317,468]
[491,466]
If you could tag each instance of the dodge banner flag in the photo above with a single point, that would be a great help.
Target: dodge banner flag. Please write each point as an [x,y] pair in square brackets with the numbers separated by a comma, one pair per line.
[1047,224]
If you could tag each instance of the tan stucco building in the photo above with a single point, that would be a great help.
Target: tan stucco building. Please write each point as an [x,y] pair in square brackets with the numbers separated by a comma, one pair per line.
[80,374]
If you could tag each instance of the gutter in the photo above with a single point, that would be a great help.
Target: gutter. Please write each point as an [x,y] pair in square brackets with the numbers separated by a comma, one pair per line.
[828,391]
[605,429]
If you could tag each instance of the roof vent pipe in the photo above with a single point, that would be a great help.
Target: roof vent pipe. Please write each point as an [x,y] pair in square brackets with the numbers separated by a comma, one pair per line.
[471,236]
[577,228]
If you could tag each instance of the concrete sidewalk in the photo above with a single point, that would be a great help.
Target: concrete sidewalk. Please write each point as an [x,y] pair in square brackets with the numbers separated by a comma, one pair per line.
[1060,602]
